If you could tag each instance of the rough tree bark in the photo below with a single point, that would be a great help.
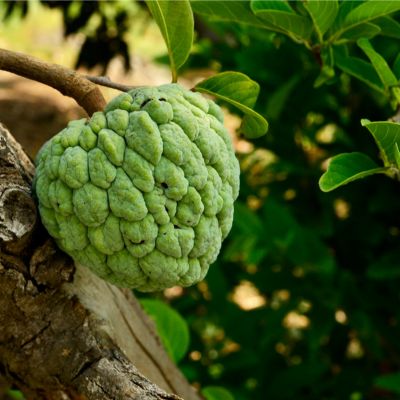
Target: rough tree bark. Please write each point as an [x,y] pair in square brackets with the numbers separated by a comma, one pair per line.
[65,333]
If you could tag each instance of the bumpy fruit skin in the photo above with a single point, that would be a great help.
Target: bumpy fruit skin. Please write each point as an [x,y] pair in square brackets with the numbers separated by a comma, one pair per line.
[142,193]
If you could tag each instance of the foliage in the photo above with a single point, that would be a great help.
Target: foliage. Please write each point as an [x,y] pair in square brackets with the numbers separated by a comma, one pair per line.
[171,327]
[315,264]
[176,24]
[390,382]
[329,30]
[216,393]
[348,167]
[15,395]
[239,90]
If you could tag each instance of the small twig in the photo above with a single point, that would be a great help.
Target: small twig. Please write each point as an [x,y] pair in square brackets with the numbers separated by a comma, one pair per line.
[316,52]
[65,80]
[106,81]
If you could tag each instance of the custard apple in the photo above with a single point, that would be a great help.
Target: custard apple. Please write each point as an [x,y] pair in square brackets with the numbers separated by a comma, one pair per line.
[142,193]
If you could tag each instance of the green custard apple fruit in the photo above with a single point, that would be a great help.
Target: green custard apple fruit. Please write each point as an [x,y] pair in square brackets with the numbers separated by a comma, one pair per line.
[142,193]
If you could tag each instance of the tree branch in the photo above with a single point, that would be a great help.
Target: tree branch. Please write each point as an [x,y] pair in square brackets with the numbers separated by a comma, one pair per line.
[106,81]
[65,80]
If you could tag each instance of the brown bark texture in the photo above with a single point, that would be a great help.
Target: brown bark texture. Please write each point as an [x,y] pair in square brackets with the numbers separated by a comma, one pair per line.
[64,332]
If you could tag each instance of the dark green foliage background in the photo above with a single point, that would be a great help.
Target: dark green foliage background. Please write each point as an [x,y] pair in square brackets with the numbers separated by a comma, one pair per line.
[297,245]
[301,245]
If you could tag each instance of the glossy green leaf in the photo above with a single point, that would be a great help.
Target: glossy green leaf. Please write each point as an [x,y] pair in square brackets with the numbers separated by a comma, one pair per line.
[288,21]
[216,393]
[360,69]
[345,9]
[233,85]
[240,91]
[364,12]
[386,135]
[390,382]
[175,20]
[322,13]
[367,30]
[389,27]
[383,70]
[278,5]
[171,327]
[235,11]
[348,167]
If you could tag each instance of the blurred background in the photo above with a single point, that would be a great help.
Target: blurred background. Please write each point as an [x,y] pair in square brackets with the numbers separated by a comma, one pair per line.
[303,301]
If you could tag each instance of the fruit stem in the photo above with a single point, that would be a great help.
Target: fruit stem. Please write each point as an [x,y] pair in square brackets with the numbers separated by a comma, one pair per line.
[174,76]
[106,81]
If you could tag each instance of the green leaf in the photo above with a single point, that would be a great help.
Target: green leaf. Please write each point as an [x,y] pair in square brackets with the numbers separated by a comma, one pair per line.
[397,155]
[396,66]
[235,85]
[344,10]
[386,135]
[322,13]
[171,327]
[216,393]
[228,10]
[386,268]
[279,5]
[360,69]
[389,27]
[240,91]
[175,20]
[383,70]
[15,394]
[390,382]
[288,21]
[348,167]
[363,12]
[366,30]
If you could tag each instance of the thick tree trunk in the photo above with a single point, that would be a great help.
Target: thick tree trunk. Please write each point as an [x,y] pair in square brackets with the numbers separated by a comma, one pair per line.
[65,333]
